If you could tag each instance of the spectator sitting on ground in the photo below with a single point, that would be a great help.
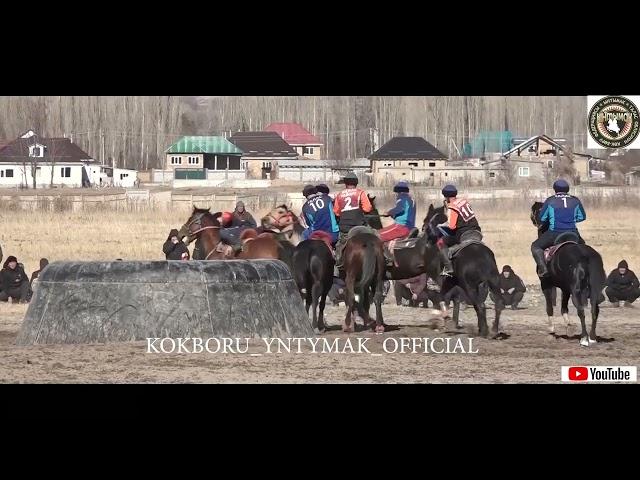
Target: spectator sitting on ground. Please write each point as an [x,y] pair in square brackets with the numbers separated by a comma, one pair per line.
[242,218]
[511,287]
[15,283]
[622,284]
[174,248]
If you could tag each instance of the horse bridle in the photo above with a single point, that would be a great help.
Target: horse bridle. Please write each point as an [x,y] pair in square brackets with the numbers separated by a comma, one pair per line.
[197,220]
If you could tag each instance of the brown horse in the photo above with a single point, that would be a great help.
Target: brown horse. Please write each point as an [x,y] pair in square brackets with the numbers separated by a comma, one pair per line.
[364,266]
[256,245]
[204,226]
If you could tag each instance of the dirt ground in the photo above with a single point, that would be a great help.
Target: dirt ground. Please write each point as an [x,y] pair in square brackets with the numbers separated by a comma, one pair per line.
[529,355]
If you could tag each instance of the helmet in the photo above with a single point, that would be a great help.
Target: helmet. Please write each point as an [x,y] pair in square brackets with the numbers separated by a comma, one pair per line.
[561,185]
[449,191]
[350,178]
[226,219]
[309,190]
[322,188]
[401,187]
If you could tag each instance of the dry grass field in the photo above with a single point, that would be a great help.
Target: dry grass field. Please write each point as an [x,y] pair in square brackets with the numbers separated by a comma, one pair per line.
[529,355]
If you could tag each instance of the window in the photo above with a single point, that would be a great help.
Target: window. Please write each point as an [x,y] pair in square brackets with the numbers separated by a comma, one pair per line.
[266,164]
[221,163]
[492,174]
[431,174]
[387,164]
[307,150]
[1,173]
[65,172]
[432,164]
[549,163]
[176,160]
[523,171]
[123,176]
[9,173]
[35,151]
[234,163]
[193,160]
[413,164]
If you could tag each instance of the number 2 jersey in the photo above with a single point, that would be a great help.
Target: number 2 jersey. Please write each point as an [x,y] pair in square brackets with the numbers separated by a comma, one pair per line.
[318,214]
[351,205]
[461,217]
[562,211]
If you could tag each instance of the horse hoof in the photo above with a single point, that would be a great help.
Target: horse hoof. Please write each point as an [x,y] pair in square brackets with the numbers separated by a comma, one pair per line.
[592,341]
[584,342]
[379,329]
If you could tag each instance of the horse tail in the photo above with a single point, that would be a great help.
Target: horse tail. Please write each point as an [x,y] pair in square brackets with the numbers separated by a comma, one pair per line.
[597,277]
[369,264]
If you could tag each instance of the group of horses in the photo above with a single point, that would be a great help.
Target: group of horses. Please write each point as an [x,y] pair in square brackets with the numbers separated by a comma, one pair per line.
[575,269]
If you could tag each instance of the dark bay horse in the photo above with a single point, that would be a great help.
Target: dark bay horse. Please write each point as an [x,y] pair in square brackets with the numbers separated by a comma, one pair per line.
[577,270]
[364,267]
[204,227]
[475,272]
[313,272]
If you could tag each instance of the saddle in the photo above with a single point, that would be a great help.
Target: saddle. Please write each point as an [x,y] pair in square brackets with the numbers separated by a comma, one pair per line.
[392,246]
[471,237]
[551,251]
[562,239]
[324,237]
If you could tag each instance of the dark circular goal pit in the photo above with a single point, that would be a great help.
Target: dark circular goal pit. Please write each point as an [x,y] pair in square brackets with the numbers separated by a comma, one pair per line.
[98,302]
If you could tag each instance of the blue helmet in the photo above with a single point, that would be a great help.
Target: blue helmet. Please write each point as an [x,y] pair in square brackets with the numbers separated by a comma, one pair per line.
[401,187]
[449,191]
[561,186]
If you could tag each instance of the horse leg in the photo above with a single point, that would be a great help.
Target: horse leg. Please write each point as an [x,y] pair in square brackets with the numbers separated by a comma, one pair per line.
[456,312]
[595,311]
[323,300]
[549,301]
[578,301]
[316,291]
[349,301]
[377,299]
[481,310]
[564,309]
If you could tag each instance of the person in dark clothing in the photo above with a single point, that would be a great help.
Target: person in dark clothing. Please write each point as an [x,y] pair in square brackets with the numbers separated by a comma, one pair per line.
[34,276]
[242,218]
[15,283]
[174,248]
[511,287]
[622,284]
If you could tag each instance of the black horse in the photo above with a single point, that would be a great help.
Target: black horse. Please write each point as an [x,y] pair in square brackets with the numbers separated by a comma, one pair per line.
[313,271]
[475,272]
[578,272]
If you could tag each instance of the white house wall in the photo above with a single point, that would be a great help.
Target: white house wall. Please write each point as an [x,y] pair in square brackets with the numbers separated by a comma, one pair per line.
[22,175]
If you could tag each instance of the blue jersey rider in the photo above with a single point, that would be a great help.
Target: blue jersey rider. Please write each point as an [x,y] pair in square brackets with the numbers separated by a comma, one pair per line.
[318,214]
[404,214]
[562,212]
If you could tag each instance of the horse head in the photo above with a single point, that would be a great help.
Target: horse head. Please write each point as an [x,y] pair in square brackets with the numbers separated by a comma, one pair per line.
[200,219]
[435,216]
[279,218]
[535,214]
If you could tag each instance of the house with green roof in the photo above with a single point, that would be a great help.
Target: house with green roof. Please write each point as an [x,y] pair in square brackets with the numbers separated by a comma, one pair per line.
[202,157]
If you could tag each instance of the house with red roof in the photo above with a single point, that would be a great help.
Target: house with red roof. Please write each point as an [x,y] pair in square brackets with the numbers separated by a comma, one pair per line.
[303,142]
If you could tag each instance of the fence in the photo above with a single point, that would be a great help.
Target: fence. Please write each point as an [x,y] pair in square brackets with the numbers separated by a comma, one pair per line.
[129,200]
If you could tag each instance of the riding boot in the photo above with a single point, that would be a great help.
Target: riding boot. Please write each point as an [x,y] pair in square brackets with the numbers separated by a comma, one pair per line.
[538,256]
[342,240]
[447,271]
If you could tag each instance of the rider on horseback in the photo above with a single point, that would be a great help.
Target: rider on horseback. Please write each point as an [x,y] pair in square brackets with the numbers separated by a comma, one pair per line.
[404,214]
[350,206]
[318,214]
[462,219]
[562,211]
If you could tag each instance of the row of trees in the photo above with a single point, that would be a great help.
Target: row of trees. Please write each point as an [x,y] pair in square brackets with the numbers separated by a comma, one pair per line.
[134,131]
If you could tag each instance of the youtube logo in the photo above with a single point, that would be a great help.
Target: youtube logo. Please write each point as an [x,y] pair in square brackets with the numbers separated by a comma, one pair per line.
[599,374]
[577,374]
